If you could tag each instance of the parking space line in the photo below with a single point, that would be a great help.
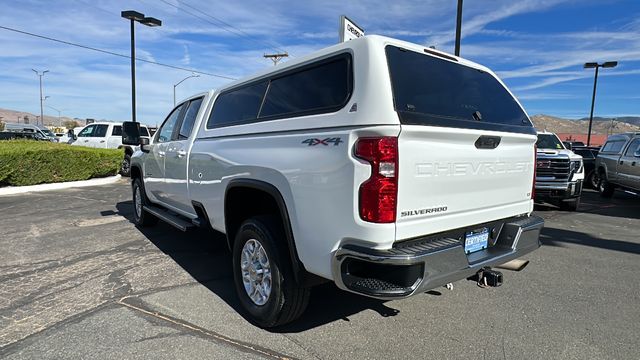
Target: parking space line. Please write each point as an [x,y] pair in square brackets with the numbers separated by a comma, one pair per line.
[128,302]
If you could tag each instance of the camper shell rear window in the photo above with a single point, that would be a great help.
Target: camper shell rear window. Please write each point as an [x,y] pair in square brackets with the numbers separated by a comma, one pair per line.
[436,91]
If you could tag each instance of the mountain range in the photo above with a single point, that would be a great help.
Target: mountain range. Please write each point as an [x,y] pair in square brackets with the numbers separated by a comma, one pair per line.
[601,125]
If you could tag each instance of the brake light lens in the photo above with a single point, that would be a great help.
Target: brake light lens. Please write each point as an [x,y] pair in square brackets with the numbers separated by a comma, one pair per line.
[379,194]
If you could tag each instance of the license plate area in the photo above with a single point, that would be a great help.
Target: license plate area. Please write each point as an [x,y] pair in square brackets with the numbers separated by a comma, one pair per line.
[476,240]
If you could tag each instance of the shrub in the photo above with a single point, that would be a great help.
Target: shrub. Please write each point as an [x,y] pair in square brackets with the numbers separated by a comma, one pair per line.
[26,162]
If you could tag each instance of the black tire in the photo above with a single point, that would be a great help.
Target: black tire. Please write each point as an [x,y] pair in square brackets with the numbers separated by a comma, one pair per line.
[605,188]
[592,180]
[570,205]
[287,300]
[141,217]
[125,166]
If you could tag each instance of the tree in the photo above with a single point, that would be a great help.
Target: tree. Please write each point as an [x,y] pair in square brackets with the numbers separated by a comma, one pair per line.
[70,124]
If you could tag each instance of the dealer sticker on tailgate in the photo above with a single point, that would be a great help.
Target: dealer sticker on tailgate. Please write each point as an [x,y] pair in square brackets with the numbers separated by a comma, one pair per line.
[476,240]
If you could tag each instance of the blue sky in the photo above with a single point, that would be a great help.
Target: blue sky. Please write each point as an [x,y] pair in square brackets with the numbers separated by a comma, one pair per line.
[536,46]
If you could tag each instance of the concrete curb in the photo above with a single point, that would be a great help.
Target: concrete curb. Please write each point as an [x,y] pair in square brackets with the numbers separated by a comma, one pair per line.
[12,190]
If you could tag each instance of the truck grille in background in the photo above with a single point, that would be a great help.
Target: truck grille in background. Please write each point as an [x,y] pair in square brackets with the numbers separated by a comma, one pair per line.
[553,169]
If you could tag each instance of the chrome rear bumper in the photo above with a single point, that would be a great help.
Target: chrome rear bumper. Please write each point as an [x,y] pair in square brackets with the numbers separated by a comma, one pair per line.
[402,272]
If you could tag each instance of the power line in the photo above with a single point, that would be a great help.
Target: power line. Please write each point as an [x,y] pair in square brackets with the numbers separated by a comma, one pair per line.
[113,53]
[227,27]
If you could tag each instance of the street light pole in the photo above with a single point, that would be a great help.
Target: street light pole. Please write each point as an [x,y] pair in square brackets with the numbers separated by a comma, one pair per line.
[149,21]
[40,75]
[590,65]
[180,82]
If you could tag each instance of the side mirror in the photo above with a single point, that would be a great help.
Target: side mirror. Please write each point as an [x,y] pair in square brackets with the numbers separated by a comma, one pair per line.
[144,144]
[637,153]
[131,133]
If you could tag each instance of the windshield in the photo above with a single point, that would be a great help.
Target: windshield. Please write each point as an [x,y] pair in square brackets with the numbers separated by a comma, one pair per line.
[429,90]
[549,141]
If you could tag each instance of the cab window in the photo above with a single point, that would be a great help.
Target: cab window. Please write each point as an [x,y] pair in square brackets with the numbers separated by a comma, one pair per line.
[100,131]
[633,147]
[189,119]
[87,132]
[166,131]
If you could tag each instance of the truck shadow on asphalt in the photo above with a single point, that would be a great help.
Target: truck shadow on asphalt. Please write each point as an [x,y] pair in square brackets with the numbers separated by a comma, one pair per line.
[558,237]
[205,256]
[621,205]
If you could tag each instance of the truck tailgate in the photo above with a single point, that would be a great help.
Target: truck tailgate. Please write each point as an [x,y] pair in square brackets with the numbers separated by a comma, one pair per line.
[448,178]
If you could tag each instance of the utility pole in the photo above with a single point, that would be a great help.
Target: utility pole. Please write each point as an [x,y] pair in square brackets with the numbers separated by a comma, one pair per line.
[458,28]
[40,75]
[276,57]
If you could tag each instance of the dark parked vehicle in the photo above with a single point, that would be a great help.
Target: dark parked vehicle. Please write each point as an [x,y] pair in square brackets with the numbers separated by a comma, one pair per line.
[589,155]
[13,135]
[618,164]
[572,144]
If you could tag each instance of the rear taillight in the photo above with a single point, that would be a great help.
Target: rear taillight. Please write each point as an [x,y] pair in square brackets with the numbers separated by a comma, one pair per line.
[535,165]
[379,194]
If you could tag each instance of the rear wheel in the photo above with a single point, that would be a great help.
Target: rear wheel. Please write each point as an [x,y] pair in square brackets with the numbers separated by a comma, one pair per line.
[605,188]
[592,180]
[263,275]
[141,217]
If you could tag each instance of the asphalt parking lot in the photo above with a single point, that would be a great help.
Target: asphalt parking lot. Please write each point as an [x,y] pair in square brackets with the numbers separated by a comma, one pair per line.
[78,280]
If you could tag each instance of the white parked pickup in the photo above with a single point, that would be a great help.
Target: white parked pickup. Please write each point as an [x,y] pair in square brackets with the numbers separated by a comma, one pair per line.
[383,166]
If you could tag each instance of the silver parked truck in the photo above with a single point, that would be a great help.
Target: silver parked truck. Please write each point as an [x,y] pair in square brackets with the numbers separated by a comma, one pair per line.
[383,166]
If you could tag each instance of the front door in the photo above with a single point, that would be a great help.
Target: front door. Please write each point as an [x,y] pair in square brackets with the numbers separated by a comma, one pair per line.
[154,165]
[85,135]
[176,161]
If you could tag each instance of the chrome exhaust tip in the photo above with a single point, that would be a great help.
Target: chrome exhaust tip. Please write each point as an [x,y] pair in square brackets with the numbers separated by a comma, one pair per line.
[514,265]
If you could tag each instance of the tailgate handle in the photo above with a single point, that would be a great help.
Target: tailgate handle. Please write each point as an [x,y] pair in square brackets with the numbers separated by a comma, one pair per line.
[488,142]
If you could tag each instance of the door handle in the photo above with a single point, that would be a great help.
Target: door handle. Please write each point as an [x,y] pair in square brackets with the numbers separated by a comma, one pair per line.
[181,153]
[633,163]
[101,141]
[621,162]
[86,141]
[161,153]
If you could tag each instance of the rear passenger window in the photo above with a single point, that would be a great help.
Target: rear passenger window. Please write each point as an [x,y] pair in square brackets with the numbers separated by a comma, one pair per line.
[633,147]
[101,130]
[613,146]
[237,105]
[321,87]
[117,130]
[189,119]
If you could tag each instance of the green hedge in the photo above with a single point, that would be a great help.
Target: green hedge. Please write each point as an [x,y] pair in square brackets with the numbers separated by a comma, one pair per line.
[27,162]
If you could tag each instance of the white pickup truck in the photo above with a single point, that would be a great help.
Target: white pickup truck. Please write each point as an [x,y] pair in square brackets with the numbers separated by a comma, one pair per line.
[108,135]
[383,166]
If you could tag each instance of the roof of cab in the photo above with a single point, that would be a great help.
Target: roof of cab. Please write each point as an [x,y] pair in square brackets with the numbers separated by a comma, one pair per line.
[372,40]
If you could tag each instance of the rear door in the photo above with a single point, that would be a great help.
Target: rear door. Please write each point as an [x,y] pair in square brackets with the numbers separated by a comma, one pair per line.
[114,140]
[629,166]
[98,138]
[466,147]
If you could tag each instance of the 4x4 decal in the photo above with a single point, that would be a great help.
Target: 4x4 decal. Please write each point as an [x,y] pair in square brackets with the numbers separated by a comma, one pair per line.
[326,141]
